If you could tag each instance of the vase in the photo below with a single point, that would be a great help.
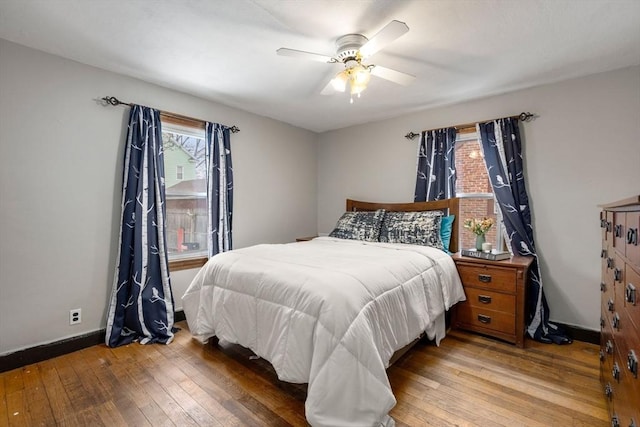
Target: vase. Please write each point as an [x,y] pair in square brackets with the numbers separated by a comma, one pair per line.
[479,241]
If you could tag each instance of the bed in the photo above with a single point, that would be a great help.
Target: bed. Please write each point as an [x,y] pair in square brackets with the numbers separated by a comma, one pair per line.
[331,312]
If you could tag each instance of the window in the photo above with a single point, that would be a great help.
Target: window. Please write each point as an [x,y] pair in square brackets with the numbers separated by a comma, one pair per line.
[186,192]
[474,189]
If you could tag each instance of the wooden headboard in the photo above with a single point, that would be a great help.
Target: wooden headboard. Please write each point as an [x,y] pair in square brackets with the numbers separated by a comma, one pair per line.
[447,206]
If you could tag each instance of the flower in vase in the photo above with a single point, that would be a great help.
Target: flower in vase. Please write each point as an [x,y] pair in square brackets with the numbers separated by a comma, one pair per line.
[478,226]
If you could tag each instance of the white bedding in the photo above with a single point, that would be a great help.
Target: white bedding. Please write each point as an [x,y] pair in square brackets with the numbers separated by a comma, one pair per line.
[328,312]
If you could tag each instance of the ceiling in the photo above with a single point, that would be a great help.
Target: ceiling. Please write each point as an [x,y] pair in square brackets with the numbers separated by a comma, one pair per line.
[225,51]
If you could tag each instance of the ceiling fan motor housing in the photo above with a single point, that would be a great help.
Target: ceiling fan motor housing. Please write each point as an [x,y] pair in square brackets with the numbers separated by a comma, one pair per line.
[347,46]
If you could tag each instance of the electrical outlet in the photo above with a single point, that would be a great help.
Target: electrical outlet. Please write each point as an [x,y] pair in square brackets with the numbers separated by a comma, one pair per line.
[75,316]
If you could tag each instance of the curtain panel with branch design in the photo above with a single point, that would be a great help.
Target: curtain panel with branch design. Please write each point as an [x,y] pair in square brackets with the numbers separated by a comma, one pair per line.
[142,306]
[502,149]
[436,170]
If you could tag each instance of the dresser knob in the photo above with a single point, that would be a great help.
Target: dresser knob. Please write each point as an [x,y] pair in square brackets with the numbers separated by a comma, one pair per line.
[609,262]
[615,422]
[609,347]
[615,372]
[603,253]
[610,305]
[617,275]
[630,294]
[608,391]
[632,363]
[603,287]
[616,321]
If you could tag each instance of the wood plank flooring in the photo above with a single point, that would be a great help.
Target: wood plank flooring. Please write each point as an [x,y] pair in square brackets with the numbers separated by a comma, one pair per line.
[469,380]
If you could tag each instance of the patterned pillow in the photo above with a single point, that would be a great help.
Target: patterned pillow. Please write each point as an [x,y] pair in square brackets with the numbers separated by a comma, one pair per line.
[416,228]
[360,225]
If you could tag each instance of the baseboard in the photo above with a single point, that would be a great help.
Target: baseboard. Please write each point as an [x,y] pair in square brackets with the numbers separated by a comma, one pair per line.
[580,334]
[39,353]
[47,351]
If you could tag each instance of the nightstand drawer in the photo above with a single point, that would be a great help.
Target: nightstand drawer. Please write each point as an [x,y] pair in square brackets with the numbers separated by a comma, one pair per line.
[489,319]
[490,277]
[490,300]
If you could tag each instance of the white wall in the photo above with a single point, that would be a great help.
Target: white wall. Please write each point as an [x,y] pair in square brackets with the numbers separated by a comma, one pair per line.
[582,151]
[60,180]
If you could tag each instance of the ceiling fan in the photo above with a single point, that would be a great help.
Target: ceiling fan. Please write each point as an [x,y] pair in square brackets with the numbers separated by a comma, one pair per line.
[352,50]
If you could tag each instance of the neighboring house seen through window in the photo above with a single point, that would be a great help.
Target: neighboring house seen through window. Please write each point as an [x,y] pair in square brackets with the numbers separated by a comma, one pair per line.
[186,194]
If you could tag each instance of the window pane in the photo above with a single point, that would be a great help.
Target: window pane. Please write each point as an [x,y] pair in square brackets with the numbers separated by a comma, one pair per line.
[475,192]
[186,193]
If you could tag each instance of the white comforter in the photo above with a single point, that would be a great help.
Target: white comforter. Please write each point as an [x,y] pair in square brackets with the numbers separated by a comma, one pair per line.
[327,312]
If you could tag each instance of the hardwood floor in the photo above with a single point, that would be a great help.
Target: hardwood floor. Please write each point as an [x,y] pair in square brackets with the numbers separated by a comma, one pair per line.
[469,380]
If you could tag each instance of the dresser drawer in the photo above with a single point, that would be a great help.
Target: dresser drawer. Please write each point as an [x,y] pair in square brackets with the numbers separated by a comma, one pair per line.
[488,277]
[479,317]
[491,300]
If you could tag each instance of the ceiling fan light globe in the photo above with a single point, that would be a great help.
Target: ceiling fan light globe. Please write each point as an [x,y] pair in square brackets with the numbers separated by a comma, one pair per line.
[361,76]
[357,88]
[339,82]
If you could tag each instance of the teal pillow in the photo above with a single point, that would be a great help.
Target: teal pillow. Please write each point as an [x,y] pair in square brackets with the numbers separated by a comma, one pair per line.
[445,230]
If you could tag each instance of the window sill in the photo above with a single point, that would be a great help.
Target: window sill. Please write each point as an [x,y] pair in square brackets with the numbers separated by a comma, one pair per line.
[187,264]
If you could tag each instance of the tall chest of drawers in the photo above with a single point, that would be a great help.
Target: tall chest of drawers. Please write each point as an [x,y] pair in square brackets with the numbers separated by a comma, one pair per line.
[620,310]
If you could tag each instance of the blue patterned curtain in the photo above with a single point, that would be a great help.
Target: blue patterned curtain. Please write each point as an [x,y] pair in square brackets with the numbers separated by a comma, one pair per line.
[219,187]
[436,175]
[142,307]
[502,150]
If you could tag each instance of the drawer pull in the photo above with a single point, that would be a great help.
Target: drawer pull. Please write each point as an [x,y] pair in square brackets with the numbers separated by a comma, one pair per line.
[602,356]
[618,230]
[603,253]
[615,422]
[608,391]
[630,294]
[632,363]
[603,223]
[615,372]
[616,321]
[485,299]
[601,322]
[617,275]
[484,278]
[603,287]
[609,347]
[632,236]
[608,226]
[610,306]
[484,319]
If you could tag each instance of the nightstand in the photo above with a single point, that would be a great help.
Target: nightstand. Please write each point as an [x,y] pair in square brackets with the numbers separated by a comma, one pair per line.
[305,239]
[496,292]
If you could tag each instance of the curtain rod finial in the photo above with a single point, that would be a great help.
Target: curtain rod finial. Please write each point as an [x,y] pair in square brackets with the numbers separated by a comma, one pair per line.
[411,135]
[112,100]
[234,129]
[526,117]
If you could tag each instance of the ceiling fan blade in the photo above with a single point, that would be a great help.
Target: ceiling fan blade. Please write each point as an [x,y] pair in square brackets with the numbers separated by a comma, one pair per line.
[283,51]
[389,33]
[392,75]
[328,89]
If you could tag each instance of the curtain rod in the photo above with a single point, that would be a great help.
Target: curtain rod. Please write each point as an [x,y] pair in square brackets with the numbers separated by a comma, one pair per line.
[112,100]
[523,117]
